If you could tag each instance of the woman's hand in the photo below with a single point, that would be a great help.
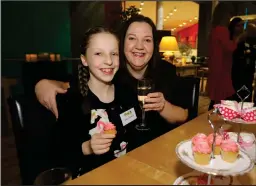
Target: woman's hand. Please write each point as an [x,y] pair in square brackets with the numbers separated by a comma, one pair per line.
[46,91]
[154,101]
[100,143]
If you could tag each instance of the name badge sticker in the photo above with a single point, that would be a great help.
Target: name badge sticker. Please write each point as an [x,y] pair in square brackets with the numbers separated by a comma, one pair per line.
[128,116]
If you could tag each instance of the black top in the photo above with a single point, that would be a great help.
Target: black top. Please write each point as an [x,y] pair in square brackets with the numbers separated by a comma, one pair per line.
[164,78]
[243,66]
[79,118]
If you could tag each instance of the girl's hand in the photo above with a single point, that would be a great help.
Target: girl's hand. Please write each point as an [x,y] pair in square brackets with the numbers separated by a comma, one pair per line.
[154,101]
[100,143]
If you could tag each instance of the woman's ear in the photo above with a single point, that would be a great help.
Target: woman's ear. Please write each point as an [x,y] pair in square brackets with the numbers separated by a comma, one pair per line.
[84,61]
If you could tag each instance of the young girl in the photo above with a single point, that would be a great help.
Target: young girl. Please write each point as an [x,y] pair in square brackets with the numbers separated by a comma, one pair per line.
[90,131]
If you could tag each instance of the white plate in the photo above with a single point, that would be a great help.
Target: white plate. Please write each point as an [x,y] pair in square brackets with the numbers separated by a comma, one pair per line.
[190,179]
[216,166]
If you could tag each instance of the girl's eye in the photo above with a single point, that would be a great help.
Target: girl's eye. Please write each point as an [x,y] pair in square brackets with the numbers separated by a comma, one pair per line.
[98,54]
[115,54]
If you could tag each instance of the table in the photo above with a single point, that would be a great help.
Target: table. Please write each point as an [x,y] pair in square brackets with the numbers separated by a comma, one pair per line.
[187,69]
[156,162]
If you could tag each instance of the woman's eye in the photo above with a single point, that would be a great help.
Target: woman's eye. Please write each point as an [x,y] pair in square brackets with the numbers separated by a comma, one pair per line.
[148,40]
[131,38]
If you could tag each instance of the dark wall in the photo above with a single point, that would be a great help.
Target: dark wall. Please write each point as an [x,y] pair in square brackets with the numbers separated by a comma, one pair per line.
[84,15]
[33,27]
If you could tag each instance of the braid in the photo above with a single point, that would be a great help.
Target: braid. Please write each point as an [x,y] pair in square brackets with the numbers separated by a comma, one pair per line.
[83,78]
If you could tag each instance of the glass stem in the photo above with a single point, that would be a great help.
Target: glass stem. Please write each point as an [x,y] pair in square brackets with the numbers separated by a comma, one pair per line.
[143,118]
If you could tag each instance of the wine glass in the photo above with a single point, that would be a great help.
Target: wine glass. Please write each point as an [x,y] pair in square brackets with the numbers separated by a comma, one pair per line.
[54,176]
[144,87]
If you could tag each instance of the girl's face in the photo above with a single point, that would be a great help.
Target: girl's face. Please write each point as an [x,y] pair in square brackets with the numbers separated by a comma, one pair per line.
[138,45]
[102,57]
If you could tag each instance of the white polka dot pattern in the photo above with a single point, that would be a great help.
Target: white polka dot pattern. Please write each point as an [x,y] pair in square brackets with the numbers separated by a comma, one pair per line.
[247,115]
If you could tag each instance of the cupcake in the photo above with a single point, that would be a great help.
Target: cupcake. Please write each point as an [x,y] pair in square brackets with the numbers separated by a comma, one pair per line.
[218,141]
[109,128]
[199,138]
[202,153]
[229,151]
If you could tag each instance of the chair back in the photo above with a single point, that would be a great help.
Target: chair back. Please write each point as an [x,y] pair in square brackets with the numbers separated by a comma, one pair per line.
[32,126]
[187,94]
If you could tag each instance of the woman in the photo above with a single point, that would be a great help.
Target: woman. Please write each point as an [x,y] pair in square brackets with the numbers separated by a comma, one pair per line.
[221,49]
[139,58]
[243,67]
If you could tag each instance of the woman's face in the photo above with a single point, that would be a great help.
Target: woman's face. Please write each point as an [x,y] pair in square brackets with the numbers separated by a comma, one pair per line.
[138,45]
[239,27]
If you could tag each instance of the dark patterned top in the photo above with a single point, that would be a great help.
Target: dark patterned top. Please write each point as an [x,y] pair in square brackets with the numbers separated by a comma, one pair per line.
[79,118]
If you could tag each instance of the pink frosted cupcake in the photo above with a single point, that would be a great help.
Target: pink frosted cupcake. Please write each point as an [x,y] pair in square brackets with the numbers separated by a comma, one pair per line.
[218,141]
[229,151]
[109,128]
[202,153]
[199,138]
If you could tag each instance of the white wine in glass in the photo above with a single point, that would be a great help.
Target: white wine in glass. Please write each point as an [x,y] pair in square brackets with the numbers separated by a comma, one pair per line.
[144,88]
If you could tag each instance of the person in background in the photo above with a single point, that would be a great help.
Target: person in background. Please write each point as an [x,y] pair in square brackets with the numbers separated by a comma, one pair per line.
[139,58]
[221,49]
[243,66]
[89,131]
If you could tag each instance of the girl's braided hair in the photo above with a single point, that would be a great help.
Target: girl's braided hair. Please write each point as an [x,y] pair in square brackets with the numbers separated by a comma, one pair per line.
[83,71]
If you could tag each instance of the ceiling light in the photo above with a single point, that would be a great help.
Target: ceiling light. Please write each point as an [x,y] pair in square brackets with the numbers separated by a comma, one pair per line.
[170,13]
[174,28]
[181,25]
[164,19]
[167,17]
[184,23]
[139,12]
[195,18]
[141,3]
[190,20]
[140,8]
[175,9]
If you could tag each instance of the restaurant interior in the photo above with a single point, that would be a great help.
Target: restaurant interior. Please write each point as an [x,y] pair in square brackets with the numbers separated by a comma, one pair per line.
[41,40]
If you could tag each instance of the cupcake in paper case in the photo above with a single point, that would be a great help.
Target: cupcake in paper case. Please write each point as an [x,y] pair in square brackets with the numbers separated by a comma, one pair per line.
[200,137]
[218,141]
[109,128]
[229,151]
[202,153]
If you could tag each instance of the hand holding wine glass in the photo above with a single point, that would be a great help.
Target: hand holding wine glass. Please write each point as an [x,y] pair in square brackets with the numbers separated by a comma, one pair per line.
[154,101]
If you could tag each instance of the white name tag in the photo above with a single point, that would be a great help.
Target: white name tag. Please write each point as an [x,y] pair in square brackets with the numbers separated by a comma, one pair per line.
[128,116]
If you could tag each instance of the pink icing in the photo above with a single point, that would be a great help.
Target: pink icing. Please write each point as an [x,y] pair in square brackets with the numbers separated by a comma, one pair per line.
[229,145]
[199,138]
[202,147]
[109,126]
[218,139]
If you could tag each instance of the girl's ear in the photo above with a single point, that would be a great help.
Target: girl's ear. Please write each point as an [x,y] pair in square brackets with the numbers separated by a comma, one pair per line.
[84,61]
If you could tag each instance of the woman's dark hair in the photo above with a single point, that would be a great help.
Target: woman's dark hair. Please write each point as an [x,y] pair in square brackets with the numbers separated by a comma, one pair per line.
[83,71]
[232,26]
[155,57]
[222,14]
